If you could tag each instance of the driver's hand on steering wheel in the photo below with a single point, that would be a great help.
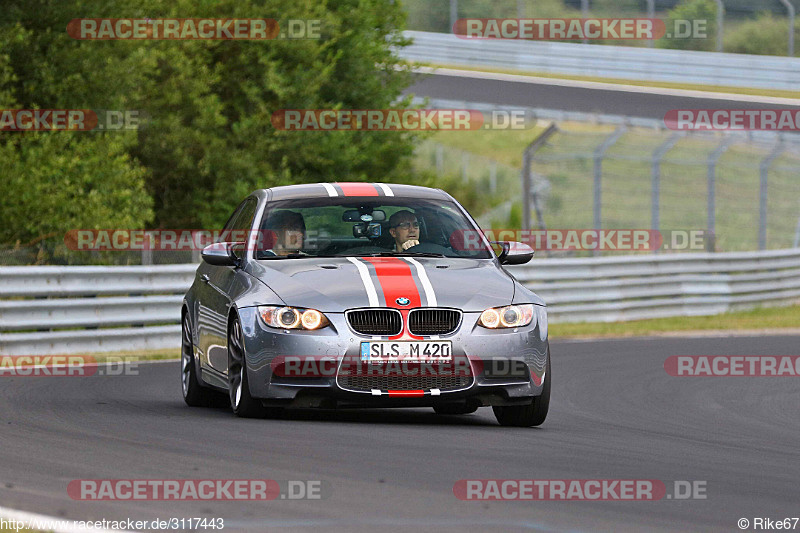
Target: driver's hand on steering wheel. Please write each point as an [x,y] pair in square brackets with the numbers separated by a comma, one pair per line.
[409,243]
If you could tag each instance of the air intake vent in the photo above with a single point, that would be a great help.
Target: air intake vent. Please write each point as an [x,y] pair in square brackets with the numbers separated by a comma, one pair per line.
[367,383]
[433,321]
[376,321]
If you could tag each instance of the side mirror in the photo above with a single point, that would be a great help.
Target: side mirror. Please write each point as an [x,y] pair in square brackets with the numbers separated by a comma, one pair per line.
[514,253]
[220,254]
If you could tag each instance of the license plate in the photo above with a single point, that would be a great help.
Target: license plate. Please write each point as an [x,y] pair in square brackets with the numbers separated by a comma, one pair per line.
[406,351]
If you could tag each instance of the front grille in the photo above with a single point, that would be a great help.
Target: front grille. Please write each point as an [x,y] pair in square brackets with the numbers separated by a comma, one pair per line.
[433,321]
[376,321]
[367,383]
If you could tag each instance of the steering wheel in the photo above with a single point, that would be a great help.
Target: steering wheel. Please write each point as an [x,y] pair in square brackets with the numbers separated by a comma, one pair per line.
[429,248]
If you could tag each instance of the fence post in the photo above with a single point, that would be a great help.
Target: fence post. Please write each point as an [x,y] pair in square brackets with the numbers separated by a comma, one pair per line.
[790,10]
[439,159]
[527,158]
[720,23]
[464,165]
[453,13]
[493,176]
[762,204]
[655,197]
[711,242]
[599,154]
[147,249]
[585,15]
[651,14]
[797,235]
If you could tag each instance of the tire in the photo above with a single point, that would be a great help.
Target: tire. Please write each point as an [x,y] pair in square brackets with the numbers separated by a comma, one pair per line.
[529,415]
[242,404]
[194,394]
[455,409]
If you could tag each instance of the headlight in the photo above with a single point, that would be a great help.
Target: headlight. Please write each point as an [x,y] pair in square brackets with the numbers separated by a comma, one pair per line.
[510,316]
[292,317]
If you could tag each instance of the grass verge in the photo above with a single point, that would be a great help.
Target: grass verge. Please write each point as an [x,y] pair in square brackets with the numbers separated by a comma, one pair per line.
[140,355]
[767,318]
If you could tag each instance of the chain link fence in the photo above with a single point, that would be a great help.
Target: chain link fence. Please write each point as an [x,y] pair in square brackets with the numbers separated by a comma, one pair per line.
[742,192]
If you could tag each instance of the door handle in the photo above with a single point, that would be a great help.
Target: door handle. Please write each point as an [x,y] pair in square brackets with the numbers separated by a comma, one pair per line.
[205,278]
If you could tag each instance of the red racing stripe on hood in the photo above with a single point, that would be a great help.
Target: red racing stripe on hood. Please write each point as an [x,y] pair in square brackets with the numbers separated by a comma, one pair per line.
[394,276]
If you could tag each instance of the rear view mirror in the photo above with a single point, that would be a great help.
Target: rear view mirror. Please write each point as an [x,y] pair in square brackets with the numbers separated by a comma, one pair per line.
[220,254]
[356,215]
[514,253]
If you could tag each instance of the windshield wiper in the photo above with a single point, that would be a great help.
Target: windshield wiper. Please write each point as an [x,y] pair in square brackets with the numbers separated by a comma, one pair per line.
[290,256]
[403,254]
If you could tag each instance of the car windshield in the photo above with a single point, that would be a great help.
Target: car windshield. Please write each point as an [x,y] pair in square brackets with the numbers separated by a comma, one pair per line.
[341,227]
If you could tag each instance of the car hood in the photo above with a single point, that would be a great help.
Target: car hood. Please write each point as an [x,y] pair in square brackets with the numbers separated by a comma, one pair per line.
[338,284]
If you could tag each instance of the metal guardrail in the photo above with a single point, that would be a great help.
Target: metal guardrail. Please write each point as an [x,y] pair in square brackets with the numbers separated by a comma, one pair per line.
[608,289]
[606,61]
[60,310]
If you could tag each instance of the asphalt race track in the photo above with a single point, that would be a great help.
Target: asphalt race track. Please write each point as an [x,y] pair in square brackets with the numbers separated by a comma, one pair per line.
[550,95]
[615,414]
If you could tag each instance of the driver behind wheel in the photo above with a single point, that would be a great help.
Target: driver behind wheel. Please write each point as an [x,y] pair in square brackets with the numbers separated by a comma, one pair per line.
[404,227]
[290,229]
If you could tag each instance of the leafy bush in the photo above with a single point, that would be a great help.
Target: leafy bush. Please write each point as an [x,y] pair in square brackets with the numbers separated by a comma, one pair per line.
[766,35]
[207,139]
[58,181]
[692,10]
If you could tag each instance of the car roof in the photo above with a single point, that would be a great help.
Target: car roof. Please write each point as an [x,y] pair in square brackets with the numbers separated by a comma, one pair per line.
[353,189]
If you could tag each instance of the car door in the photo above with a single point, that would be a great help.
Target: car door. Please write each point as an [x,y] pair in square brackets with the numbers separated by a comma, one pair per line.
[215,298]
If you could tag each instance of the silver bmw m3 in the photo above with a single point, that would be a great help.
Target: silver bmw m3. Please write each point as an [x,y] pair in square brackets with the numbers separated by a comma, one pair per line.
[337,295]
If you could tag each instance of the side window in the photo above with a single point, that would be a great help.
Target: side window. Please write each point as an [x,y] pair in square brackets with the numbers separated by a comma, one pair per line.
[241,220]
[244,221]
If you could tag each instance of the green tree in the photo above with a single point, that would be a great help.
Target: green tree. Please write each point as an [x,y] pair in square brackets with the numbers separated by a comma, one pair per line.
[53,182]
[59,181]
[766,35]
[206,139]
[691,10]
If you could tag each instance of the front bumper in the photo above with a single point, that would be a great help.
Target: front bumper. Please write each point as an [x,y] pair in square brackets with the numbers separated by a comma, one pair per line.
[504,367]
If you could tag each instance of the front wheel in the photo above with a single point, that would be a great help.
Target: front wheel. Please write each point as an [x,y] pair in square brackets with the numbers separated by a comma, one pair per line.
[242,403]
[529,415]
[194,394]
